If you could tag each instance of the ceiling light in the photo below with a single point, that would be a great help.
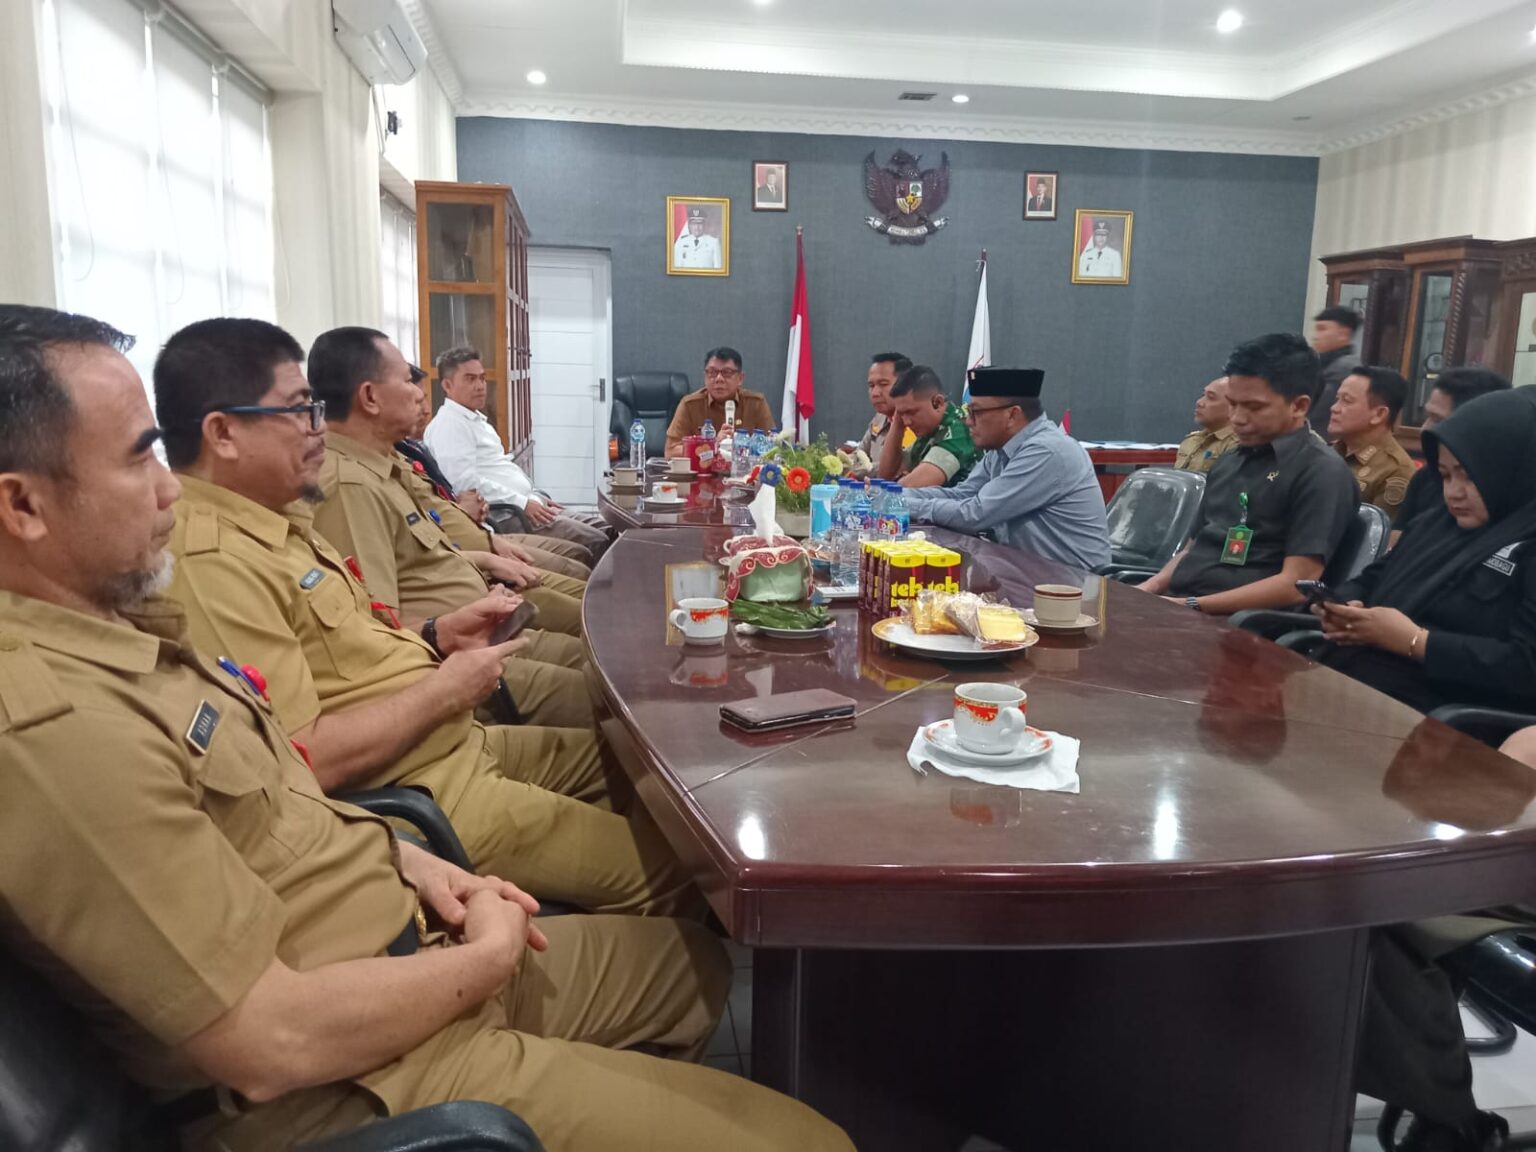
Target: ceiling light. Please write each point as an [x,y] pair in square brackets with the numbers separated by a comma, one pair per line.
[1229,21]
[537,77]
[960,98]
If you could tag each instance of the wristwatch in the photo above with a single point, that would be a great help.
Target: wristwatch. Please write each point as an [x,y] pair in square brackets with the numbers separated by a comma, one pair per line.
[429,634]
[1192,602]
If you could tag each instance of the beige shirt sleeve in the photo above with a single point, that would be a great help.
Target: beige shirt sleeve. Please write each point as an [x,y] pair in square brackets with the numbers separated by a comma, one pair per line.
[126,881]
[357,522]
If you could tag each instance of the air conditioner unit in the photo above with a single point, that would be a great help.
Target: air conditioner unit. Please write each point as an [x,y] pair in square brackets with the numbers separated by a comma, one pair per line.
[379,39]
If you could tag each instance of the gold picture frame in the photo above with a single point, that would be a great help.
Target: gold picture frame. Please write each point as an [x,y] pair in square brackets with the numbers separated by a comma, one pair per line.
[689,252]
[1107,263]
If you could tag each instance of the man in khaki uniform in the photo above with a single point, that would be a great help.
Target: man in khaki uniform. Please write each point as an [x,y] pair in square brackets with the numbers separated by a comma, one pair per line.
[1214,438]
[374,510]
[371,701]
[193,944]
[723,380]
[467,526]
[1361,424]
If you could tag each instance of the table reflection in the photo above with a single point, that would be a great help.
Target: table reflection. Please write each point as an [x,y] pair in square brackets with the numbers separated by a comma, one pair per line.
[1433,779]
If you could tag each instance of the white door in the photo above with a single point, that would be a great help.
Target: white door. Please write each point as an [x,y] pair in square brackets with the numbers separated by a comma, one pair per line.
[569,321]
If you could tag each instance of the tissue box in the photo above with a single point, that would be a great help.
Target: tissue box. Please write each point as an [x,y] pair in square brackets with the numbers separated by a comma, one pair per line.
[767,570]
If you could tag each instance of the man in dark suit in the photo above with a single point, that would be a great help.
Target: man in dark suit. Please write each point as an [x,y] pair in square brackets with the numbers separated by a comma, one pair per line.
[1041,201]
[770,191]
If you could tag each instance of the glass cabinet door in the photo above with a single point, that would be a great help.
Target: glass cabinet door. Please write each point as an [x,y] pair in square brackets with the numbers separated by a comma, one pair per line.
[1429,337]
[1525,342]
[460,243]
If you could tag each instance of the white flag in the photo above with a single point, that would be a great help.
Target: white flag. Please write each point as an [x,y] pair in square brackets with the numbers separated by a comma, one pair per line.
[980,355]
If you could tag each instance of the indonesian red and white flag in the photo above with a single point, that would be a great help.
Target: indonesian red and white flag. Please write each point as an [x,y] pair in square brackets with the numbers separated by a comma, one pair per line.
[980,354]
[799,390]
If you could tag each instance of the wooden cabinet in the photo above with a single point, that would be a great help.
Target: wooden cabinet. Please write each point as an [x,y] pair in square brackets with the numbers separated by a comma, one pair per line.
[472,268]
[1427,307]
[1515,343]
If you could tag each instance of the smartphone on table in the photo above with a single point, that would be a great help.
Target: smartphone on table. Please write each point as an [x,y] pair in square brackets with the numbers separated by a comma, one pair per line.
[787,710]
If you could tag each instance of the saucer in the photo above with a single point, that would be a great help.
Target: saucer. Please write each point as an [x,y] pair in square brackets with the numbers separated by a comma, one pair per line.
[797,633]
[1082,624]
[666,503]
[942,736]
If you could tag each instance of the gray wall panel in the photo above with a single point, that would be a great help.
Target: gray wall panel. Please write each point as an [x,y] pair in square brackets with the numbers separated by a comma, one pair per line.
[1220,253]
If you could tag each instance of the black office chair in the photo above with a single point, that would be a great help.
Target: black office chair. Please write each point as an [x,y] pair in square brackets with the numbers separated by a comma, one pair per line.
[653,397]
[1363,545]
[1150,517]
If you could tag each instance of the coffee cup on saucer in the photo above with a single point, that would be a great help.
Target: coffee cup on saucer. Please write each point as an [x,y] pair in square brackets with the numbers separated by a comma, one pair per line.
[989,717]
[664,490]
[680,465]
[624,477]
[701,619]
[1058,605]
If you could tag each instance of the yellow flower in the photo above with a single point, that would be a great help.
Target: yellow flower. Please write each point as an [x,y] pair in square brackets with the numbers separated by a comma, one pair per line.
[833,465]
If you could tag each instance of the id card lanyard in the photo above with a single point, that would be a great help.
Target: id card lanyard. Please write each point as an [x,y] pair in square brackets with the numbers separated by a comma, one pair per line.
[1239,536]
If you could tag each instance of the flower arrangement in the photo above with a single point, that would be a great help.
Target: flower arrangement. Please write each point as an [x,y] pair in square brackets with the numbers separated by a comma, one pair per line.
[792,468]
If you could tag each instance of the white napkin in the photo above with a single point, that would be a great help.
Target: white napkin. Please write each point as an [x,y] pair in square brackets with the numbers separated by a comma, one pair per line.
[1056,771]
[764,512]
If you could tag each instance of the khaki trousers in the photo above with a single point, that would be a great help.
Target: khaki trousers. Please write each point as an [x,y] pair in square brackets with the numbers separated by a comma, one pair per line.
[594,540]
[549,562]
[548,683]
[549,813]
[546,1050]
[547,548]
[559,601]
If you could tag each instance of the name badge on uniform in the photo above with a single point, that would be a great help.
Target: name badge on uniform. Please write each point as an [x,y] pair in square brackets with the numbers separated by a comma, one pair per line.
[1239,537]
[311,578]
[200,732]
[413,518]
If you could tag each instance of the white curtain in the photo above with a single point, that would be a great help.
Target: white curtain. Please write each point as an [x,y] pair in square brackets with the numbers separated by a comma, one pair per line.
[397,268]
[160,177]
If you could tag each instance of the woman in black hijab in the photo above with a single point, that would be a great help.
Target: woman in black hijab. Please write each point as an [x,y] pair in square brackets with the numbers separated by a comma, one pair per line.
[1449,615]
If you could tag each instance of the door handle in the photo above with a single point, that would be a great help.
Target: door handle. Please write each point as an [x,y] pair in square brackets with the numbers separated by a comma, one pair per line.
[602,390]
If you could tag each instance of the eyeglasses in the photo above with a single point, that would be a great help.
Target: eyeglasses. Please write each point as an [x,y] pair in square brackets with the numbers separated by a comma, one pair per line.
[315,409]
[721,373]
[973,412]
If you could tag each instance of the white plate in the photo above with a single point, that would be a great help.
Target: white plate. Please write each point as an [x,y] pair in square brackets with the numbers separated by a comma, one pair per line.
[1084,622]
[899,633]
[797,633]
[942,736]
[658,500]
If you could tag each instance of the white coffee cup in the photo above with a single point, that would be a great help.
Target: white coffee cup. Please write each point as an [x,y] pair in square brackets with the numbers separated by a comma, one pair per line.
[680,465]
[626,477]
[666,490]
[701,619]
[989,717]
[1058,605]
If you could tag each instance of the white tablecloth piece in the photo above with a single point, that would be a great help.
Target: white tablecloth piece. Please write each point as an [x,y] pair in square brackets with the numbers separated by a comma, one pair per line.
[1056,771]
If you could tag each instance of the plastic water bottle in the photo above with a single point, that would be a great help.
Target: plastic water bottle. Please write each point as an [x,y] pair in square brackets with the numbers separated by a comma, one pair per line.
[741,453]
[637,444]
[844,536]
[708,431]
[822,496]
[896,512]
[759,445]
[861,513]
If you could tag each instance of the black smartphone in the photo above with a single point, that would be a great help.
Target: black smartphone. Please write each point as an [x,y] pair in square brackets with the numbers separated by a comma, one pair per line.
[522,616]
[1317,592]
[768,713]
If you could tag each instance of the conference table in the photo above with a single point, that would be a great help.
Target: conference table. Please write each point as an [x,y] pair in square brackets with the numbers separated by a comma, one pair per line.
[1173,958]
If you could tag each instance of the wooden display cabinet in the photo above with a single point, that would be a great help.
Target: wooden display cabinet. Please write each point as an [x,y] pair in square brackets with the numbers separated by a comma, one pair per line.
[1514,353]
[472,268]
[1453,312]
[1375,284]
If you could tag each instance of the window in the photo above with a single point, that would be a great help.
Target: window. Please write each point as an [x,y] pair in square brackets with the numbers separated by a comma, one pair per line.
[397,275]
[160,177]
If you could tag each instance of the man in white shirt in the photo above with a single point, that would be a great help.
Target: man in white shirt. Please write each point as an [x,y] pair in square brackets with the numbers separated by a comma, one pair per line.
[1099,260]
[471,455]
[694,247]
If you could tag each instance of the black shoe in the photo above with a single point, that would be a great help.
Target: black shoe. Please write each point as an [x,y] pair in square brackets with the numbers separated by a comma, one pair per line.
[1486,1132]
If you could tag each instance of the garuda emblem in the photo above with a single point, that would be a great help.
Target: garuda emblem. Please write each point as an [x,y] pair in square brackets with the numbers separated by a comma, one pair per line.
[907,195]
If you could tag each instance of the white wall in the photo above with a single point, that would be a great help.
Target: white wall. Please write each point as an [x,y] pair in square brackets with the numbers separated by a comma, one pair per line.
[1474,174]
[325,154]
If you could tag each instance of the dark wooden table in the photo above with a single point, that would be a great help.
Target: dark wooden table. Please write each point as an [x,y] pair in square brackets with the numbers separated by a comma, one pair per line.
[1173,959]
[706,503]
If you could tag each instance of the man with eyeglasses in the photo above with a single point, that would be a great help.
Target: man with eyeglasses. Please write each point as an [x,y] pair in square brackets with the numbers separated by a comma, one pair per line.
[723,379]
[376,703]
[1034,488]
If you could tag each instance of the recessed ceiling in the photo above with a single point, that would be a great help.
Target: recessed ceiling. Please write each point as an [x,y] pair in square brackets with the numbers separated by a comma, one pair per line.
[1301,76]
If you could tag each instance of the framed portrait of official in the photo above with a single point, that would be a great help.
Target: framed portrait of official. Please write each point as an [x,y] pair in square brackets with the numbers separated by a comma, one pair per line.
[698,236]
[1040,195]
[1101,246]
[770,186]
